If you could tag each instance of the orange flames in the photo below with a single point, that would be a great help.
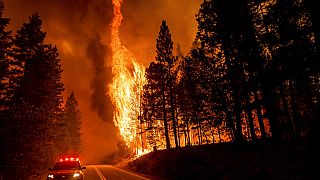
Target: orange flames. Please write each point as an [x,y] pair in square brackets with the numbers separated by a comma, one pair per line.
[126,88]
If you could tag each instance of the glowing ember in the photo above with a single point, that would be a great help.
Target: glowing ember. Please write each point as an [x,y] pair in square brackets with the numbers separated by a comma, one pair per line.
[125,90]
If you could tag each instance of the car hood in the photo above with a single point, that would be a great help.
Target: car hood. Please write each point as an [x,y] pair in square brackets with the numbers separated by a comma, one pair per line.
[64,172]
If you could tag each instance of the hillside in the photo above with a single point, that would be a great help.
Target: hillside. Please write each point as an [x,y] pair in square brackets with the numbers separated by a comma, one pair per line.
[294,160]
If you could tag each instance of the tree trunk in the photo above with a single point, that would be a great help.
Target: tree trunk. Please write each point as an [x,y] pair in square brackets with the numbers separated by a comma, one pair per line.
[246,126]
[199,130]
[260,118]
[238,133]
[166,132]
[290,123]
[219,134]
[268,100]
[185,135]
[179,136]
[212,134]
[229,119]
[250,119]
[296,124]
[173,116]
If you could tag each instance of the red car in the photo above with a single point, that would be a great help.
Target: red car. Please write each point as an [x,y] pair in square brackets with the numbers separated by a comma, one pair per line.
[67,168]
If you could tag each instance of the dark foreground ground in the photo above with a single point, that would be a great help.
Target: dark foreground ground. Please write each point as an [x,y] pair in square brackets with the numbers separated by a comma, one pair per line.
[294,160]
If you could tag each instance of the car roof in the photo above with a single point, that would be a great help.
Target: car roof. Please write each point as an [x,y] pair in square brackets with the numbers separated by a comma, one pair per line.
[61,165]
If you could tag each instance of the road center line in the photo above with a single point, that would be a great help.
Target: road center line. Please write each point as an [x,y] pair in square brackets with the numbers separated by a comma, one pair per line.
[129,173]
[99,173]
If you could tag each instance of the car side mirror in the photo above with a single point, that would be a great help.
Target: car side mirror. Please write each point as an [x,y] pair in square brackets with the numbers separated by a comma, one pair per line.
[83,167]
[50,169]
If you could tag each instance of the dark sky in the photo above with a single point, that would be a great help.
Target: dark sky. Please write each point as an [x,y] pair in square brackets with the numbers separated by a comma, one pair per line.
[80,29]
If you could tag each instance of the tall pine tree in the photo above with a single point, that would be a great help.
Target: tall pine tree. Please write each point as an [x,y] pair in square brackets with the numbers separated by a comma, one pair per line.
[72,121]
[164,48]
[37,111]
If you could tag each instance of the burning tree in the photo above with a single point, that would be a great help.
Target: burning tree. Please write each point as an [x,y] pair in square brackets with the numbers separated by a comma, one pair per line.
[126,88]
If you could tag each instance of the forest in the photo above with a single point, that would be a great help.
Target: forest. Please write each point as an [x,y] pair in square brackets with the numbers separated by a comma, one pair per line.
[35,124]
[252,75]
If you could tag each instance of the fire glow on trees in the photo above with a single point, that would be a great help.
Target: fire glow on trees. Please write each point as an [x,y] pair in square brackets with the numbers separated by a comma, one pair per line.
[126,88]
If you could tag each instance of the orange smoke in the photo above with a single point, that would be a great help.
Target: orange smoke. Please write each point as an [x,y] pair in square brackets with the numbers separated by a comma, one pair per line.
[126,87]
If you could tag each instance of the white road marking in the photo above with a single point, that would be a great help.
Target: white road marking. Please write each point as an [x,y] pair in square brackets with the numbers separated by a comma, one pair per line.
[99,173]
[129,173]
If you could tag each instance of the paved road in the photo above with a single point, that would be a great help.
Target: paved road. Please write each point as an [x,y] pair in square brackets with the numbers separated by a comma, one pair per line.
[106,172]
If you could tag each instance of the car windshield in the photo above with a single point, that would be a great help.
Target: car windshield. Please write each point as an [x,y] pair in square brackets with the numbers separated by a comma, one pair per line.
[67,165]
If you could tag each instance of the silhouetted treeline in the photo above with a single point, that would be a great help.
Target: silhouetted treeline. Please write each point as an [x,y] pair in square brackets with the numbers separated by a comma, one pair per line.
[252,74]
[35,126]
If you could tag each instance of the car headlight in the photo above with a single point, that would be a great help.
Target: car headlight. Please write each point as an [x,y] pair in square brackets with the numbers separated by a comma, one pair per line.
[50,176]
[76,175]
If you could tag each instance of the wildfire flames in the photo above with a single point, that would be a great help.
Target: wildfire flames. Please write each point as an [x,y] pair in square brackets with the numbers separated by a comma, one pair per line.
[126,88]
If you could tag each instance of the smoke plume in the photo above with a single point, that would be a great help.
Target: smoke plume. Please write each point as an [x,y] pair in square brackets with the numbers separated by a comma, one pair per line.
[100,102]
[81,31]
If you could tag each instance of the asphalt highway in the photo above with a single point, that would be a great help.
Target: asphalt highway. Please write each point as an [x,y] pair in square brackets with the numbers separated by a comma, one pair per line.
[107,172]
